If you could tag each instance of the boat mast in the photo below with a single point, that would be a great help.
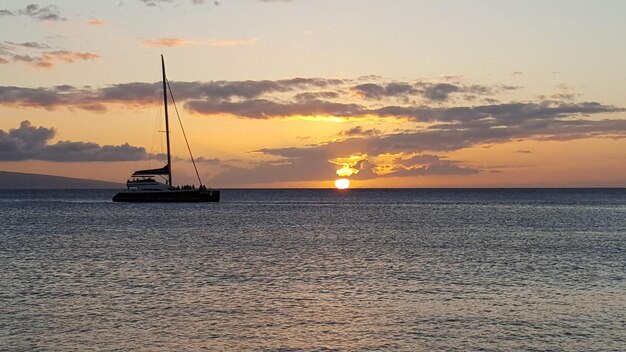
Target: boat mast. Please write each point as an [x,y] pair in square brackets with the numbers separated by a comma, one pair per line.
[167,124]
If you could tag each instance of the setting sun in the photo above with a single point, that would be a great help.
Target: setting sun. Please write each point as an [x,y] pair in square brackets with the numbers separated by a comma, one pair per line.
[342,183]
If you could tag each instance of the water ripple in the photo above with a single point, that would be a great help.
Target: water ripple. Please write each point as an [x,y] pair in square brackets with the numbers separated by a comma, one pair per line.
[315,271]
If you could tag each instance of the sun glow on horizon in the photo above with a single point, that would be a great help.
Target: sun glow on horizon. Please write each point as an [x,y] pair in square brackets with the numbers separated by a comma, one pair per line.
[342,183]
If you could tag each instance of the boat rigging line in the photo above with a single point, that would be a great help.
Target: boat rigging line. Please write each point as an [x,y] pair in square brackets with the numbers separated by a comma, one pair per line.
[183,129]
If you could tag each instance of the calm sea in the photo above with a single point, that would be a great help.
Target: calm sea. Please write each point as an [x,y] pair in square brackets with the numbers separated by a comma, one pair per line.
[311,270]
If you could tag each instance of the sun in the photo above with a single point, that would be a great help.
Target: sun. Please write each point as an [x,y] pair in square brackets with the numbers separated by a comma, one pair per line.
[342,183]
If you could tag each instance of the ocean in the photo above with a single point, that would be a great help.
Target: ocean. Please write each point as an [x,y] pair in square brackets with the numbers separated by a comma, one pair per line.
[315,270]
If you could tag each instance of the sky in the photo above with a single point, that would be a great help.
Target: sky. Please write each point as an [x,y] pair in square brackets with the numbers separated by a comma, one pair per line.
[279,93]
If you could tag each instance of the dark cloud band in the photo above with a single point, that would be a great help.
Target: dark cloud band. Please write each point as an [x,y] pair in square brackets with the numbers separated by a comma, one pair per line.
[32,143]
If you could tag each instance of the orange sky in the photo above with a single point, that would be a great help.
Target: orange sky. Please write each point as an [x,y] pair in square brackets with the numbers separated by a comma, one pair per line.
[285,93]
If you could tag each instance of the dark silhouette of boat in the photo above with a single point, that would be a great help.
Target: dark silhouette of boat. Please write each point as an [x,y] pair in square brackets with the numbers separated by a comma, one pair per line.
[143,187]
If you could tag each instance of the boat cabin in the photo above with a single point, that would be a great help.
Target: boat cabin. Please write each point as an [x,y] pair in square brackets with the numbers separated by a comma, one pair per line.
[146,184]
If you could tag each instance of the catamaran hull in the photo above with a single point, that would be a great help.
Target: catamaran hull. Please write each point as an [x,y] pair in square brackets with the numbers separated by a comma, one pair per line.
[183,196]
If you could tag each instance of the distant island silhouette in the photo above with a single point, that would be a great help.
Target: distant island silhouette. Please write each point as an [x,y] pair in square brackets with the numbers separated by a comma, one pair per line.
[18,180]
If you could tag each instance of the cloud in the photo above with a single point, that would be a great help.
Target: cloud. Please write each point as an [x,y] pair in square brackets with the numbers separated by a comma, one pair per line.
[140,93]
[37,54]
[359,131]
[68,56]
[438,118]
[45,13]
[450,139]
[350,165]
[49,59]
[164,42]
[438,126]
[29,45]
[492,115]
[32,143]
[297,169]
[266,109]
[370,90]
[440,91]
[169,42]
[29,97]
[81,98]
[96,22]
[212,161]
[426,165]
[5,12]
[399,88]
[312,97]
[314,165]
[380,91]
[418,151]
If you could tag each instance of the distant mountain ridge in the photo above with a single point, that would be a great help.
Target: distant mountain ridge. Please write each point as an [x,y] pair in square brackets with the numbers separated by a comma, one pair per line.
[18,180]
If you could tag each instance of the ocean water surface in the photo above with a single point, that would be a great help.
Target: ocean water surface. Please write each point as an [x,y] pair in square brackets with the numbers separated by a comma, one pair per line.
[310,270]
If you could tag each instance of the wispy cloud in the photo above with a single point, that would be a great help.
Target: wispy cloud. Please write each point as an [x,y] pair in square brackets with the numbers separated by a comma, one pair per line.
[29,45]
[140,93]
[49,59]
[38,54]
[164,42]
[96,22]
[359,131]
[28,142]
[169,42]
[426,165]
[42,13]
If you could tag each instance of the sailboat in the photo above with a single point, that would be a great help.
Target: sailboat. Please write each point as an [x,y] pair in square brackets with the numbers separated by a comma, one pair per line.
[143,187]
